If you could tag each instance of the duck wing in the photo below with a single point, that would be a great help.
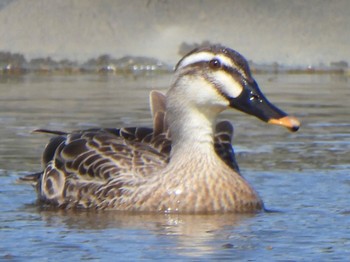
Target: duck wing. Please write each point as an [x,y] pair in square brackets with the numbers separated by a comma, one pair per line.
[88,168]
[223,144]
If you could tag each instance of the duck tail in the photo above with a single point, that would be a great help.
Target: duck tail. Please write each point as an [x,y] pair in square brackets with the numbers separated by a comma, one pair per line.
[46,131]
[31,178]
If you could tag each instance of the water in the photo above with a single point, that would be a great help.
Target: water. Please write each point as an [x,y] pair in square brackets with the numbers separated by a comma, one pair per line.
[303,177]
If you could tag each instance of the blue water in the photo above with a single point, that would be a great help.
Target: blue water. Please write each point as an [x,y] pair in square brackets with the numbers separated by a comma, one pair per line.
[302,177]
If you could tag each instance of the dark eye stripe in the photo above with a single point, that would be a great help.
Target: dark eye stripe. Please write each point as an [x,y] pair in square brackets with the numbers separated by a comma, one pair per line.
[239,74]
[189,69]
[235,73]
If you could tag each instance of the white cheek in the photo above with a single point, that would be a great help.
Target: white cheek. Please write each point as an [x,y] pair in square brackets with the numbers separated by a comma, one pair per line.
[228,84]
[202,92]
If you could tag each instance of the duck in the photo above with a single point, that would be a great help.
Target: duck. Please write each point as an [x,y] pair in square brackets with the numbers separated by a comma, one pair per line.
[184,163]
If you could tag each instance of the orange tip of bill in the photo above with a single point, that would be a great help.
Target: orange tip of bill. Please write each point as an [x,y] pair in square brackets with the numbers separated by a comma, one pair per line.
[289,122]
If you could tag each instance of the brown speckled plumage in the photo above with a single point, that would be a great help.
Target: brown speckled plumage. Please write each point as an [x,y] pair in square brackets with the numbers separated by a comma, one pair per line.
[185,163]
[99,168]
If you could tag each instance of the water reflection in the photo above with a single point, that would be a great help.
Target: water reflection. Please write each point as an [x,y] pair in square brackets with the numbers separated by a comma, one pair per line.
[191,235]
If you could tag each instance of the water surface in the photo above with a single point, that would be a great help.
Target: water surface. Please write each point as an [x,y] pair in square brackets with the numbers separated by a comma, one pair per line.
[303,176]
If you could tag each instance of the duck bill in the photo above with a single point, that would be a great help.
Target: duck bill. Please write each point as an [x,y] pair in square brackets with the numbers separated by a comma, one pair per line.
[252,101]
[289,122]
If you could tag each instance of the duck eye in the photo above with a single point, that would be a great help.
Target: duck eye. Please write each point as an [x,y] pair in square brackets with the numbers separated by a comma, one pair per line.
[214,64]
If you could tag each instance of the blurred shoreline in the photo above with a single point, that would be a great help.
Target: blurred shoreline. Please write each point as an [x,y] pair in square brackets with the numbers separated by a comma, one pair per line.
[306,36]
[17,64]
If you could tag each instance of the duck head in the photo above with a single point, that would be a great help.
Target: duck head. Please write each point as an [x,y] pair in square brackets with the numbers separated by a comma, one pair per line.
[216,77]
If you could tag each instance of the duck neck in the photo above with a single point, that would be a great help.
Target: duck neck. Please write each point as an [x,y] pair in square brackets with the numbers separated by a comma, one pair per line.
[191,131]
[191,125]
